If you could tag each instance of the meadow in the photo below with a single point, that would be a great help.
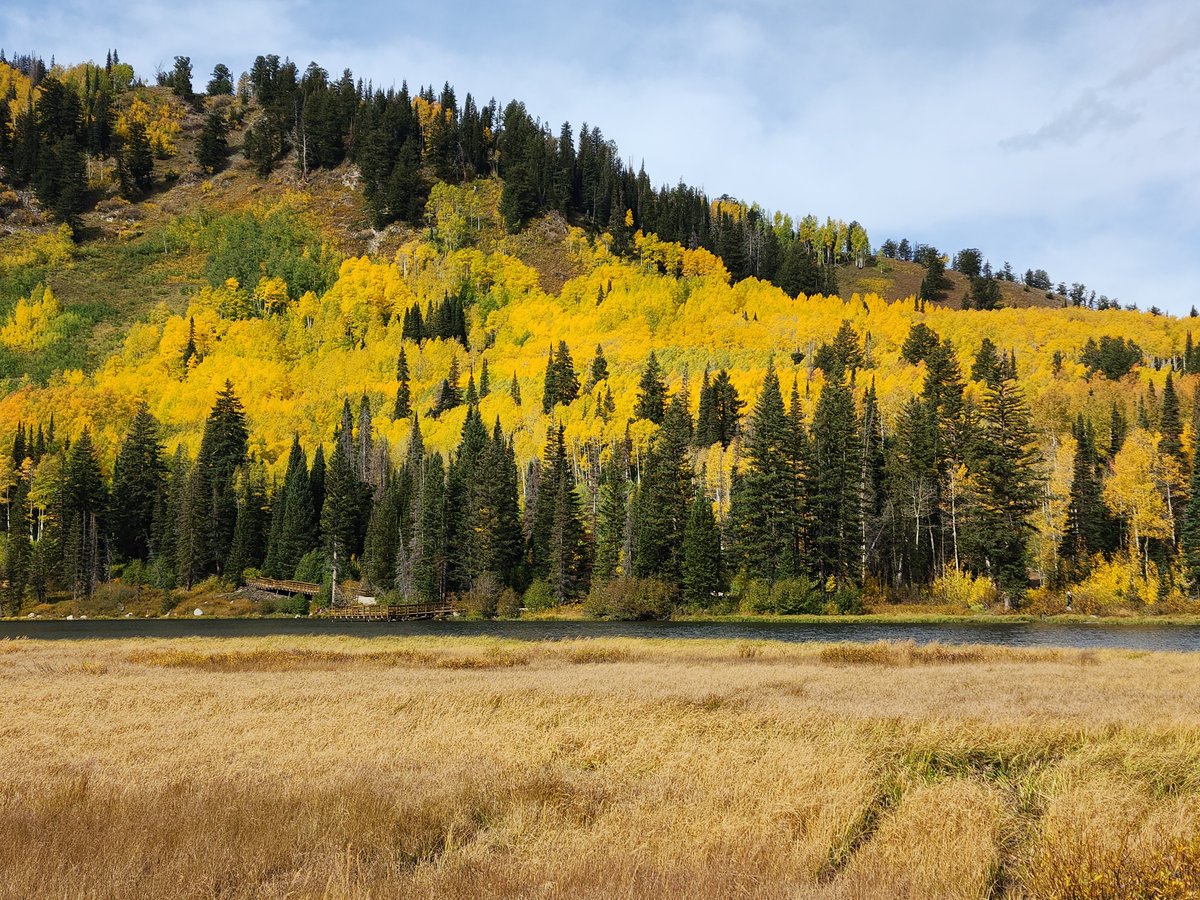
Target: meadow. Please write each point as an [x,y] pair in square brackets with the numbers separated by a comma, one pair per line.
[463,767]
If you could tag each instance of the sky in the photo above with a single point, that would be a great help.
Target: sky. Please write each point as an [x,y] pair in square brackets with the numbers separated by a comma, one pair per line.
[1054,135]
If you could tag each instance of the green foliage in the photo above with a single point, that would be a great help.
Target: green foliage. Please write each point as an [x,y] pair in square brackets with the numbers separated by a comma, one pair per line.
[277,244]
[539,596]
[630,599]
[1112,357]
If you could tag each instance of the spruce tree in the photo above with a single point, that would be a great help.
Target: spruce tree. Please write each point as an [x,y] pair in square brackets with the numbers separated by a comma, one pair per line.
[549,384]
[598,371]
[764,517]
[1086,514]
[663,497]
[84,502]
[613,514]
[213,146]
[403,405]
[566,382]
[703,574]
[429,564]
[1190,536]
[249,531]
[139,477]
[1007,487]
[837,485]
[652,393]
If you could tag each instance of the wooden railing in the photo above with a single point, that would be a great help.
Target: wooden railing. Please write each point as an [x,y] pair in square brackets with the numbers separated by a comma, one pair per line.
[404,612]
[284,587]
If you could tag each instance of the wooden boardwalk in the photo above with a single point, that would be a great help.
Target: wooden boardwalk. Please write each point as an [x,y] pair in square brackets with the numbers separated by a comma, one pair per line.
[405,612]
[283,587]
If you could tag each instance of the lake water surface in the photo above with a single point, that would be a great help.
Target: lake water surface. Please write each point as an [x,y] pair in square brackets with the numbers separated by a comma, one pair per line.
[1014,634]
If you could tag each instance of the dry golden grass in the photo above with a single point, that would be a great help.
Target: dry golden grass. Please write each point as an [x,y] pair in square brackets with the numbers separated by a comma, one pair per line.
[464,767]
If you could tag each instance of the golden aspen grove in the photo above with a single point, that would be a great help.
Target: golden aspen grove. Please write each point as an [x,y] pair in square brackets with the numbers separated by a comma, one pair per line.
[987,444]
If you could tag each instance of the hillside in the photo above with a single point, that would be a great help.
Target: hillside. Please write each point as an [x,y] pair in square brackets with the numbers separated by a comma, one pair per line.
[229,372]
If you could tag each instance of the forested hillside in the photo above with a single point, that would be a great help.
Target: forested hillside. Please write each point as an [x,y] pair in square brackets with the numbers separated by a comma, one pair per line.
[298,326]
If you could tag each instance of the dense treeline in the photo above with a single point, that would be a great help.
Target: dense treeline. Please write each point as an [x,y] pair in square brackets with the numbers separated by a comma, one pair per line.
[816,512]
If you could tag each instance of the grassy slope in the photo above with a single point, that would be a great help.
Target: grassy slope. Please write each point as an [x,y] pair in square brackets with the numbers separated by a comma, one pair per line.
[307,767]
[125,266]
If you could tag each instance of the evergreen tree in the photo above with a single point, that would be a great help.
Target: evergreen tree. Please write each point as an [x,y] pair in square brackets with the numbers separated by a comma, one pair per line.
[837,485]
[1190,536]
[429,564]
[346,512]
[652,393]
[250,529]
[213,146]
[1007,485]
[18,560]
[1086,514]
[764,518]
[212,498]
[485,383]
[84,503]
[139,477]
[403,406]
[550,384]
[566,382]
[986,367]
[703,575]
[663,497]
[137,160]
[598,371]
[514,390]
[450,395]
[560,547]
[613,515]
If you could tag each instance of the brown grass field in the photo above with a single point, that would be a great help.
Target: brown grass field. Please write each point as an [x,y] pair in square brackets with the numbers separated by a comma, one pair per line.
[463,767]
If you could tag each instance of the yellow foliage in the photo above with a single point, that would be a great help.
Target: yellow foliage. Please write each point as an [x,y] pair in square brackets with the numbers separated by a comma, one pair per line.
[35,323]
[955,587]
[160,113]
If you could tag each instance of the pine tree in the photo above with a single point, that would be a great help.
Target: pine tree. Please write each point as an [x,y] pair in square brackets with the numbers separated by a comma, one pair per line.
[663,497]
[764,519]
[549,384]
[139,477]
[613,515]
[514,390]
[703,576]
[18,560]
[837,486]
[558,544]
[1007,485]
[652,393]
[213,146]
[1190,536]
[485,383]
[1086,514]
[566,382]
[403,406]
[137,159]
[250,529]
[450,395]
[429,564]
[213,502]
[598,371]
[84,503]
[346,511]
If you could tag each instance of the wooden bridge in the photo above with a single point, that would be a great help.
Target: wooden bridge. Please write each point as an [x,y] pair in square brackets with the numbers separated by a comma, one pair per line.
[273,586]
[403,612]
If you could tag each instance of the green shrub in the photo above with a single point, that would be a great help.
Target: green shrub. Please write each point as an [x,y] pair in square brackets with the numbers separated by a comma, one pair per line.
[630,599]
[539,596]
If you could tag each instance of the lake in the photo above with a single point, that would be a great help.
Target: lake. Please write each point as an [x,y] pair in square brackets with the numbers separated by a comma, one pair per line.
[1014,634]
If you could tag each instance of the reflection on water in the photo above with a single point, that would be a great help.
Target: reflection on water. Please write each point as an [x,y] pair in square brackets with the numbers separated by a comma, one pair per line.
[1016,634]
